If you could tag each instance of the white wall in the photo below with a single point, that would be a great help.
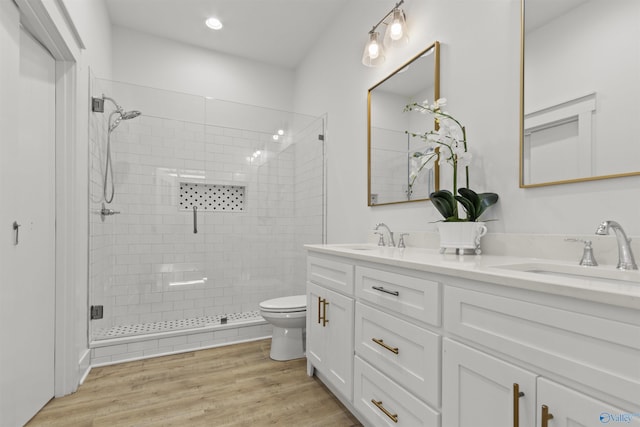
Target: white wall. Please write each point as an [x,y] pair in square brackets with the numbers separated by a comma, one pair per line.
[161,63]
[480,64]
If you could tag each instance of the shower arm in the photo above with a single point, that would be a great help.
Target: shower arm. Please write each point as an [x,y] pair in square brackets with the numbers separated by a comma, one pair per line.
[113,101]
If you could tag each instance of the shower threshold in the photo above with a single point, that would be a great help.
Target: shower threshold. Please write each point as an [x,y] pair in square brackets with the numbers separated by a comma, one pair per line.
[176,327]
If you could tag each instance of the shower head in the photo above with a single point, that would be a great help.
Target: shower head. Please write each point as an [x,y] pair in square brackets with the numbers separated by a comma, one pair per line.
[127,115]
[122,115]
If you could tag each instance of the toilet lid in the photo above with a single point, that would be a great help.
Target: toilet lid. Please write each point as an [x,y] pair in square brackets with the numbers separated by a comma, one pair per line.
[291,303]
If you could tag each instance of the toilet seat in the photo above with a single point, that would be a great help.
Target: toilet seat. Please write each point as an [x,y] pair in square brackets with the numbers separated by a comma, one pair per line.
[290,304]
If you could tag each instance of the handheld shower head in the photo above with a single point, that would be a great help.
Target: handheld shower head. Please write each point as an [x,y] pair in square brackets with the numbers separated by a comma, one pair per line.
[122,115]
[128,115]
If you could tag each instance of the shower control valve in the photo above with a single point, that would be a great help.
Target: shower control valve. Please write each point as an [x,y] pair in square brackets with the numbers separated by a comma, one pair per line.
[107,212]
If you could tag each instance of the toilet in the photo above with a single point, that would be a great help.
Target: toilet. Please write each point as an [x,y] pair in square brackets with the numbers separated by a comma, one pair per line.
[288,315]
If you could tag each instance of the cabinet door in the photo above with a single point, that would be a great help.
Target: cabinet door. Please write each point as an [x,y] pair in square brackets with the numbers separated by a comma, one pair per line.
[570,408]
[330,336]
[478,390]
[316,348]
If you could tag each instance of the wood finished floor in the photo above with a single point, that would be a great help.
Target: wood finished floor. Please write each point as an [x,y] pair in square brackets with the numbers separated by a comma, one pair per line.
[237,385]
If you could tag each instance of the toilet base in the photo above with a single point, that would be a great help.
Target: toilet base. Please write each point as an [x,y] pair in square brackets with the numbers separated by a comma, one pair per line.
[287,343]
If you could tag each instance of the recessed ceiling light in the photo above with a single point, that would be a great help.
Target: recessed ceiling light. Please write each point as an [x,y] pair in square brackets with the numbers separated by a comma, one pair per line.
[213,23]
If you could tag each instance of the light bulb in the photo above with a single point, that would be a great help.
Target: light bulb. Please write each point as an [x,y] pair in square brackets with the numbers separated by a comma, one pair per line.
[373,54]
[396,33]
[374,49]
[396,30]
[280,132]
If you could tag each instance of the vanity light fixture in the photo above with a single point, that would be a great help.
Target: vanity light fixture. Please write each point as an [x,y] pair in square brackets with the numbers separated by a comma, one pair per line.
[213,23]
[395,35]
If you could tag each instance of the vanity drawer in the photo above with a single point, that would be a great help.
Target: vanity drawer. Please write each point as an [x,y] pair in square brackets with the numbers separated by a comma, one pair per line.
[408,354]
[583,343]
[395,406]
[410,295]
[331,274]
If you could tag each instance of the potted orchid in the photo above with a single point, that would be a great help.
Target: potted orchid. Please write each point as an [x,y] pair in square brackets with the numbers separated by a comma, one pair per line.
[447,144]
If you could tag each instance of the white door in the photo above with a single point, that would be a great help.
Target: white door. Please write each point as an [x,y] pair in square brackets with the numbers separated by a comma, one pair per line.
[478,390]
[27,277]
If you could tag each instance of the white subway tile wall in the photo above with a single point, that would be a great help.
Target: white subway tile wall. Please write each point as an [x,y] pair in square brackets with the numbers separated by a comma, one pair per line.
[147,265]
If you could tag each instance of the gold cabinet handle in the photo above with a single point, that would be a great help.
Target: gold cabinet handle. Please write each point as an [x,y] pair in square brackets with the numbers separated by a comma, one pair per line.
[546,416]
[378,403]
[517,394]
[325,303]
[379,341]
[319,308]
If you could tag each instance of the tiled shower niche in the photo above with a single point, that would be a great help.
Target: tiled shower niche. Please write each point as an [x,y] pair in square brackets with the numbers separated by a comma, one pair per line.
[211,197]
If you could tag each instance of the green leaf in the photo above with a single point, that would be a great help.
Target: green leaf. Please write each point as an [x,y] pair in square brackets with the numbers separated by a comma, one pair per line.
[480,202]
[486,200]
[469,207]
[444,202]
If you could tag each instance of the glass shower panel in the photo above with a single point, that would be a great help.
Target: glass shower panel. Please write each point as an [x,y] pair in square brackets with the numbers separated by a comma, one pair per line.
[141,257]
[215,202]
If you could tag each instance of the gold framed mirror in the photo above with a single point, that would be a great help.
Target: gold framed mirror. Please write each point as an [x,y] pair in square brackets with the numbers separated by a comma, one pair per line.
[390,147]
[580,68]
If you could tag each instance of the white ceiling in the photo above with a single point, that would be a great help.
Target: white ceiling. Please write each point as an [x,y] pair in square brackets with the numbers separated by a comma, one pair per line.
[278,32]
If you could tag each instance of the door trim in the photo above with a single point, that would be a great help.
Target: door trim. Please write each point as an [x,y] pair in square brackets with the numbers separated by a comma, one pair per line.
[50,23]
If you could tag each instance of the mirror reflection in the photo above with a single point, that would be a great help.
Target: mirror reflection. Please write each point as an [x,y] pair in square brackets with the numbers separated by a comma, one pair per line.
[580,87]
[390,147]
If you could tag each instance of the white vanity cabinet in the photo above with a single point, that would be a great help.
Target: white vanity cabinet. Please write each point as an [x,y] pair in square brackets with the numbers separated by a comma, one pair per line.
[593,347]
[483,391]
[330,308]
[433,345]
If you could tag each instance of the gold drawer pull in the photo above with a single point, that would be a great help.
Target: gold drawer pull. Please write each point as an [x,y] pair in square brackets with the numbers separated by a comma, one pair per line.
[517,394]
[383,344]
[378,403]
[546,416]
[319,309]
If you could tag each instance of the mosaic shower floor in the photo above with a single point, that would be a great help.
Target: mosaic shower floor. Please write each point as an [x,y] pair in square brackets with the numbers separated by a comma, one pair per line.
[175,325]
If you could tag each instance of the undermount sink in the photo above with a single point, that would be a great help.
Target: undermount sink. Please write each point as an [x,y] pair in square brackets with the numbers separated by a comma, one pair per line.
[606,274]
[360,247]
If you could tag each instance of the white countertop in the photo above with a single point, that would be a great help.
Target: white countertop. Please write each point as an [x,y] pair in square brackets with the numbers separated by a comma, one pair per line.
[486,268]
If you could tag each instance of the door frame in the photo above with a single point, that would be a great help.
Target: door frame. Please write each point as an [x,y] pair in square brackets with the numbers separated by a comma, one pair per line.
[50,23]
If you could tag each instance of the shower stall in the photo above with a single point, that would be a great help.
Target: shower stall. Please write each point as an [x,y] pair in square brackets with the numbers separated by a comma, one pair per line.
[212,203]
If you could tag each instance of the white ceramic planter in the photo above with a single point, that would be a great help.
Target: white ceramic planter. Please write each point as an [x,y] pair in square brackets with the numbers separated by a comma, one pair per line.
[464,237]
